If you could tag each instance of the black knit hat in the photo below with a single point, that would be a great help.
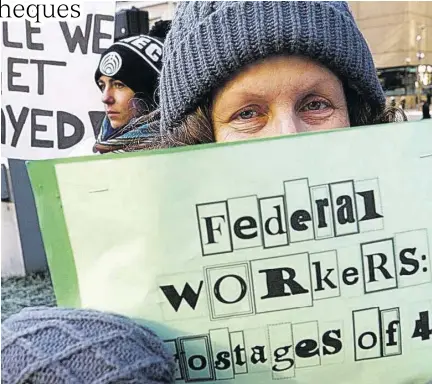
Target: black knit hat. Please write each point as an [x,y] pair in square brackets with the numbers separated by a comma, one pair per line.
[136,61]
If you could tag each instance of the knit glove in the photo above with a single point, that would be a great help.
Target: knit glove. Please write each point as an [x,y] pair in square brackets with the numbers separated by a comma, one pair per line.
[71,346]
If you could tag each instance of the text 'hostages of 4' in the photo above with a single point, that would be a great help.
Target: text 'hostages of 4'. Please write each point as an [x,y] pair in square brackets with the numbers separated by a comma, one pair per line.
[299,280]
[285,347]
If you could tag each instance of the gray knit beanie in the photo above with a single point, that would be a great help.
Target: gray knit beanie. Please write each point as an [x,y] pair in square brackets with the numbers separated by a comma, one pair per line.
[64,346]
[211,40]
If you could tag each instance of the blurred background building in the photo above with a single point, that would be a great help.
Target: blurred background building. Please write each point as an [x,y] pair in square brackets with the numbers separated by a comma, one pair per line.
[399,34]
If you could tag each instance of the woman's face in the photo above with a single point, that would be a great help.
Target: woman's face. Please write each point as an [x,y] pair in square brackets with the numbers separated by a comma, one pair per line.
[279,96]
[117,97]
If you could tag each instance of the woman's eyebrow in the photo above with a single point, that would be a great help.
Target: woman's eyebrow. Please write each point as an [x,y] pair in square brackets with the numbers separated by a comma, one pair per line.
[240,92]
[247,94]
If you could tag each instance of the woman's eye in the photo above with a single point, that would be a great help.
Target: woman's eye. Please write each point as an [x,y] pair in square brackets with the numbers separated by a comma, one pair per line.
[249,119]
[315,106]
[247,114]
[119,85]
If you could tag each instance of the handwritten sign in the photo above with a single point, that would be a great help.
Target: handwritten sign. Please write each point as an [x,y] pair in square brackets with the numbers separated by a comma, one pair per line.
[302,258]
[50,103]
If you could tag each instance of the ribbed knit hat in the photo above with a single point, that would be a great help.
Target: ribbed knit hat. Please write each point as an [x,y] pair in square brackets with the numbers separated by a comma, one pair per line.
[211,40]
[136,61]
[63,346]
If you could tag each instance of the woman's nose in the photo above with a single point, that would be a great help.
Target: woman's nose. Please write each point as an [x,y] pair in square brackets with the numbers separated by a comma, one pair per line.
[107,97]
[288,124]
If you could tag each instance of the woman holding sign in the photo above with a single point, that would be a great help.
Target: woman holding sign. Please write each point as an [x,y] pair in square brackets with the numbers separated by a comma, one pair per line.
[233,71]
[240,70]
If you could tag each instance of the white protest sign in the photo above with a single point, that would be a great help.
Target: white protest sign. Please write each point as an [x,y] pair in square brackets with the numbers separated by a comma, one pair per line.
[50,102]
[302,259]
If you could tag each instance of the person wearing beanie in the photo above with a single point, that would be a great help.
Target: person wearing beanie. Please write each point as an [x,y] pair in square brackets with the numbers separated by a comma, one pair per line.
[66,346]
[234,70]
[127,76]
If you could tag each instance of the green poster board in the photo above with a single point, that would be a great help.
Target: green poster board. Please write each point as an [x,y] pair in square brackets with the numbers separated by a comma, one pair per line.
[300,259]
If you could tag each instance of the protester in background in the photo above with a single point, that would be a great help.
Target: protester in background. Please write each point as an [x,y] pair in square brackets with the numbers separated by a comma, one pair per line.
[230,73]
[127,75]
[130,91]
[403,103]
[425,110]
